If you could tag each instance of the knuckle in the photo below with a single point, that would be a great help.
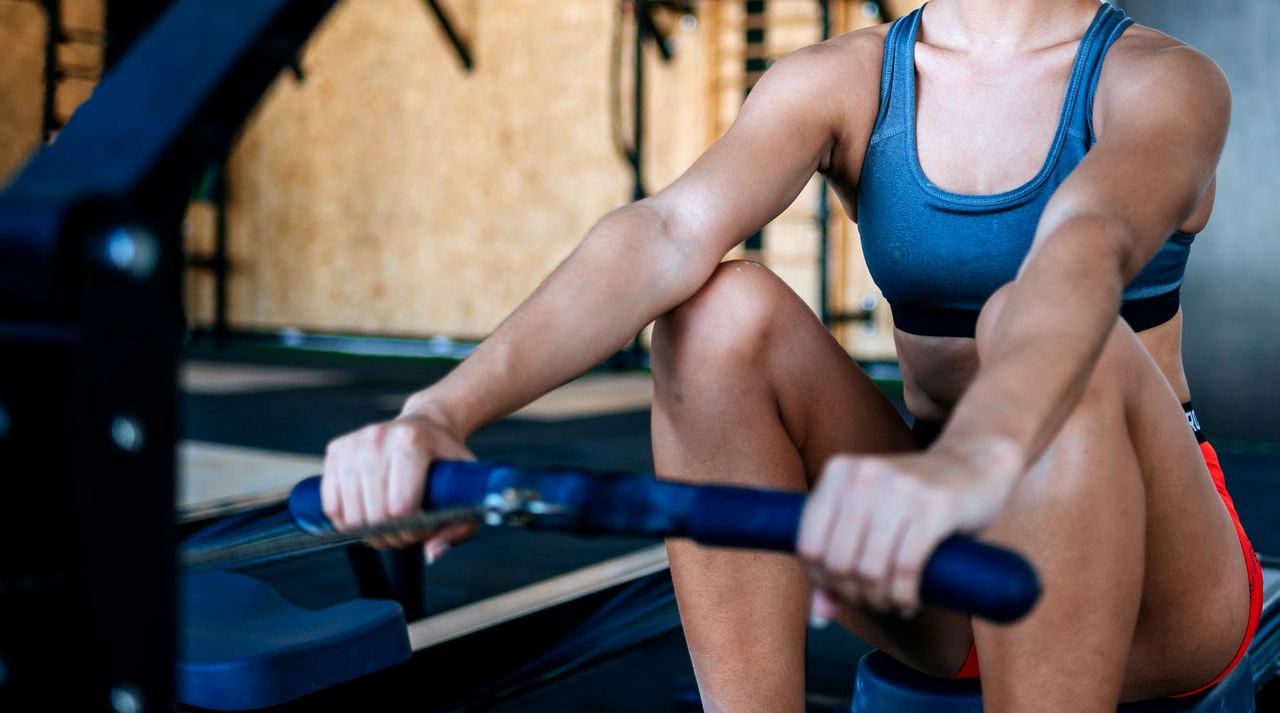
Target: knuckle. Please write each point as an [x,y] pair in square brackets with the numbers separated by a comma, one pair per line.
[840,462]
[908,570]
[872,475]
[841,467]
[407,436]
[838,569]
[849,591]
[400,505]
[374,435]
[869,572]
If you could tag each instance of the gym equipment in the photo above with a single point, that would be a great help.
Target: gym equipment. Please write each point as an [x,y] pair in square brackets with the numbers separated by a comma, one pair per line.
[285,657]
[244,647]
[987,581]
[593,503]
[886,686]
[90,329]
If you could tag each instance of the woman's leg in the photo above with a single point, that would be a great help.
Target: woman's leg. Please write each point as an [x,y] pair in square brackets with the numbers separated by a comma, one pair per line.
[1145,590]
[750,389]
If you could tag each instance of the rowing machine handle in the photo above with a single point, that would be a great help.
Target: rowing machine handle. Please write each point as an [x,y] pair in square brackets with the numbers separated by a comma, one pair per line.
[963,574]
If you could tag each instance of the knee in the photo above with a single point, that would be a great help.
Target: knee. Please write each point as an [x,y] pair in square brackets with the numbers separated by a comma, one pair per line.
[726,322]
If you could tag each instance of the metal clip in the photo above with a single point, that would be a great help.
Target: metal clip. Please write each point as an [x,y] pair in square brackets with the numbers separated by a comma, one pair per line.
[518,508]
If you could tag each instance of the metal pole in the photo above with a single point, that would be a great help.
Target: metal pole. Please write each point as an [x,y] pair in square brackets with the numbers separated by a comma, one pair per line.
[637,106]
[53,12]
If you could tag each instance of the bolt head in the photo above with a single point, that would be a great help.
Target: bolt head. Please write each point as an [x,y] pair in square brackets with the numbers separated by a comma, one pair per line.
[127,433]
[132,250]
[126,698]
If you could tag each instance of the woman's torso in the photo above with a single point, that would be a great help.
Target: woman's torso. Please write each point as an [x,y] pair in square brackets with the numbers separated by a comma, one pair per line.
[966,107]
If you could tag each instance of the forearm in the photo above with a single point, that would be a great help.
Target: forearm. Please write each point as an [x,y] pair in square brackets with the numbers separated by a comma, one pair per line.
[1039,352]
[629,269]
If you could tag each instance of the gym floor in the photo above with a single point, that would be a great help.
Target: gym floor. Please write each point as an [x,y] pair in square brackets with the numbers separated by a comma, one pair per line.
[257,420]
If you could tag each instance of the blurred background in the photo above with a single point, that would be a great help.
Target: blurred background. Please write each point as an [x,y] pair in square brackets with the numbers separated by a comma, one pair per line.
[429,162]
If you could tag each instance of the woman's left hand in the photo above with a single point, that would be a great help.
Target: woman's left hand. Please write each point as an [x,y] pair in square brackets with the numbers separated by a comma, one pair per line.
[873,521]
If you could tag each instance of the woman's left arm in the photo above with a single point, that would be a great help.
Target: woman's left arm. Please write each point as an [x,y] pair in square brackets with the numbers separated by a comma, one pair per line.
[1163,126]
[1162,121]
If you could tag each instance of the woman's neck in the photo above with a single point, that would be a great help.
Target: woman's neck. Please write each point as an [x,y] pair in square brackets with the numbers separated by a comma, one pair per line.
[1006,26]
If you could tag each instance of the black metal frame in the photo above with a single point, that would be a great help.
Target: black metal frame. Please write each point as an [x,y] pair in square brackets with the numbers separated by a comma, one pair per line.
[90,327]
[459,45]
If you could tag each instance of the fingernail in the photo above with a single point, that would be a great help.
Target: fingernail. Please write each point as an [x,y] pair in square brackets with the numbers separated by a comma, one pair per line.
[435,551]
[817,621]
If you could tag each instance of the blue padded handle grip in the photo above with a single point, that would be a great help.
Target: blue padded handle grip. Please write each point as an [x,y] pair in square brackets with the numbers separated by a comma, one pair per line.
[962,574]
[990,582]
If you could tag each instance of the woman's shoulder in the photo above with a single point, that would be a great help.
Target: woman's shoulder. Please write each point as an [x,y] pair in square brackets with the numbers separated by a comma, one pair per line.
[1143,54]
[1146,68]
[843,72]
[852,53]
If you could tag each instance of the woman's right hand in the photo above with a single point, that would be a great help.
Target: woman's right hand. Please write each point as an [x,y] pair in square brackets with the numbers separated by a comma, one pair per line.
[379,473]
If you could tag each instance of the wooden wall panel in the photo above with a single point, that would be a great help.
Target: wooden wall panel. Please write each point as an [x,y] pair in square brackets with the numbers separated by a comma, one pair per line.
[393,192]
[23,34]
[22,42]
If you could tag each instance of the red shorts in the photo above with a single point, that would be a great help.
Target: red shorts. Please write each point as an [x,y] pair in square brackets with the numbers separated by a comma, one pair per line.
[1254,567]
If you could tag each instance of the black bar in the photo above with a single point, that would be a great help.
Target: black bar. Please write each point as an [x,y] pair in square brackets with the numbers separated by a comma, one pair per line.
[637,106]
[754,38]
[53,17]
[859,316]
[126,22]
[221,258]
[90,327]
[446,24]
[644,16]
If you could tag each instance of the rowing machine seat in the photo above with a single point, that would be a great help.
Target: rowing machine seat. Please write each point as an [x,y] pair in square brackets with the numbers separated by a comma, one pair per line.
[886,686]
[245,647]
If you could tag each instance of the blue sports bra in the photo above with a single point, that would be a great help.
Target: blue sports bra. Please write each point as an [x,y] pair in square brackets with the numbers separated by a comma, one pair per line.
[938,256]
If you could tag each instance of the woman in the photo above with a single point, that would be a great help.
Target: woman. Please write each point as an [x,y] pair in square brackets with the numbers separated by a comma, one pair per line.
[1008,236]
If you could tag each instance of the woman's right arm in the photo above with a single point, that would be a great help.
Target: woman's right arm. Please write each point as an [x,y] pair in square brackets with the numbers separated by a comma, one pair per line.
[635,264]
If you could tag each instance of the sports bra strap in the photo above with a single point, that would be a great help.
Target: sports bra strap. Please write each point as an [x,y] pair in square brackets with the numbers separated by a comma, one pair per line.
[1097,42]
[895,77]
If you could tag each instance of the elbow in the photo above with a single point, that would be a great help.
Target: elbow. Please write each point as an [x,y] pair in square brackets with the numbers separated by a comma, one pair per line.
[668,242]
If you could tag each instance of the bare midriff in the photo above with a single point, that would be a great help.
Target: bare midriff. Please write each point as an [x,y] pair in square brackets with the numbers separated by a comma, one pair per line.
[937,370]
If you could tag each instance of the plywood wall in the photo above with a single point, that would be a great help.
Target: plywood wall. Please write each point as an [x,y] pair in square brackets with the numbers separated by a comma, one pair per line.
[22,43]
[24,31]
[393,192]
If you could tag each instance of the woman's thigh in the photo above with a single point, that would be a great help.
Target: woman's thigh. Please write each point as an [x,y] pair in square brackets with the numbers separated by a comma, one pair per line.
[1135,546]
[751,388]
[1195,603]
